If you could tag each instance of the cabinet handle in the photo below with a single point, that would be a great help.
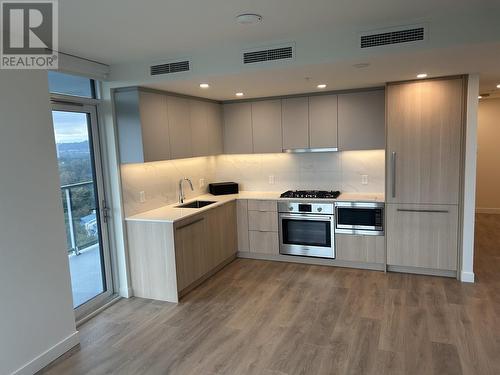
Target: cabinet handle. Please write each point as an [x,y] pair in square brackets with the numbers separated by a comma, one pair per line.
[429,211]
[393,167]
[191,223]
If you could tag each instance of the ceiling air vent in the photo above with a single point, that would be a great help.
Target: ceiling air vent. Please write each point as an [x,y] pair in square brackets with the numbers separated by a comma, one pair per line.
[268,54]
[388,37]
[171,67]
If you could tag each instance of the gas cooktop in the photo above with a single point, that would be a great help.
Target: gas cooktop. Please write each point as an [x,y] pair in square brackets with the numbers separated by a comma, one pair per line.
[316,194]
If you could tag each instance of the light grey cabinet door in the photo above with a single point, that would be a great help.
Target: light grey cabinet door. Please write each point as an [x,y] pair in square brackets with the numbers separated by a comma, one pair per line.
[323,121]
[422,236]
[214,128]
[424,138]
[266,126]
[238,128]
[179,127]
[295,123]
[199,128]
[361,120]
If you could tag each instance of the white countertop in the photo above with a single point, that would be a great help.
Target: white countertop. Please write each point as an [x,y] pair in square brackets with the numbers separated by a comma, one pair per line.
[171,214]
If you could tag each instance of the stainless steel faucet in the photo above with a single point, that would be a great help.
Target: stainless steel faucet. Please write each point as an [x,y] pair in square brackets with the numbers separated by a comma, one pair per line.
[181,190]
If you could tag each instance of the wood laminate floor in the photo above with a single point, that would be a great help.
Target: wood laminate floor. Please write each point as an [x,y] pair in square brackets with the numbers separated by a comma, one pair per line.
[271,318]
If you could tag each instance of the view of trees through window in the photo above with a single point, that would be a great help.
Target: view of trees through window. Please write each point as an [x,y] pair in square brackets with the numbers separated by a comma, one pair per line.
[76,176]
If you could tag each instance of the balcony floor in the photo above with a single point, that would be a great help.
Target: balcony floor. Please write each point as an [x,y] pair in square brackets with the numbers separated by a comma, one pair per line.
[86,275]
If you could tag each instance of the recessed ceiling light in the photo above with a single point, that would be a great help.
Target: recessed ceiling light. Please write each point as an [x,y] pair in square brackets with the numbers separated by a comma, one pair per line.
[204,85]
[422,75]
[248,18]
[498,86]
[321,86]
[479,97]
[239,94]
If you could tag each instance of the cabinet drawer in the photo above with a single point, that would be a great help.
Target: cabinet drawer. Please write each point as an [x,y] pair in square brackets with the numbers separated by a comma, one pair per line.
[370,249]
[264,242]
[263,221]
[422,235]
[262,205]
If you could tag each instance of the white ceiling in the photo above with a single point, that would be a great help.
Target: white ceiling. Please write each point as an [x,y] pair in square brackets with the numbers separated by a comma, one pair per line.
[464,36]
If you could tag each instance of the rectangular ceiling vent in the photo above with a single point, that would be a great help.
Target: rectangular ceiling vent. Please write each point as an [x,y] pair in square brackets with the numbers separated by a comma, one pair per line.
[170,67]
[275,53]
[390,37]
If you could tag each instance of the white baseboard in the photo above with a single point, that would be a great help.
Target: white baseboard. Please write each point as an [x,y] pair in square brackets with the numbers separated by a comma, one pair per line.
[48,356]
[486,210]
[467,277]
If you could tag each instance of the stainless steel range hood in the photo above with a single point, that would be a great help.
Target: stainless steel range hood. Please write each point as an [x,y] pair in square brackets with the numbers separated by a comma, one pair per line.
[304,150]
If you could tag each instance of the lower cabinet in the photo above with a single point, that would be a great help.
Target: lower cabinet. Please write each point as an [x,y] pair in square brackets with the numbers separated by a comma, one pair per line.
[204,242]
[242,221]
[263,242]
[424,236]
[356,248]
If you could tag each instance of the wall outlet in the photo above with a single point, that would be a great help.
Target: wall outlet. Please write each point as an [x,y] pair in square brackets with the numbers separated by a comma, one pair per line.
[364,179]
[201,183]
[272,180]
[142,196]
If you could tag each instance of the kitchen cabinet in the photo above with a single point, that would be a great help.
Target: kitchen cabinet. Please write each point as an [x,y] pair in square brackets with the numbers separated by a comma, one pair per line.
[238,128]
[191,256]
[214,128]
[204,242]
[359,248]
[424,127]
[179,126]
[154,127]
[263,227]
[242,224]
[264,242]
[424,236]
[168,260]
[143,131]
[295,115]
[323,121]
[266,126]
[199,128]
[361,120]
[424,137]
[263,221]
[206,128]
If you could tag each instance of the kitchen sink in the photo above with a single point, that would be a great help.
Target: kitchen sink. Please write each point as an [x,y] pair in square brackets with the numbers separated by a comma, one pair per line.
[195,204]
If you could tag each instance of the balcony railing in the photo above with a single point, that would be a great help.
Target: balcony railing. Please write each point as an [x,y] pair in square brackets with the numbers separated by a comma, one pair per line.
[81,217]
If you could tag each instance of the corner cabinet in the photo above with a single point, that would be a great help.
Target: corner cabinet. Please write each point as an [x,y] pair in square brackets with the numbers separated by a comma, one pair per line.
[424,137]
[153,126]
[167,260]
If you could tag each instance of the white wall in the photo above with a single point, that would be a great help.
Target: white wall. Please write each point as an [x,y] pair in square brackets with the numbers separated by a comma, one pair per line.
[36,314]
[488,157]
[326,171]
[469,190]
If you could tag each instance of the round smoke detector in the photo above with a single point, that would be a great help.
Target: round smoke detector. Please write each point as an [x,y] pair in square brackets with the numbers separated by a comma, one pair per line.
[248,18]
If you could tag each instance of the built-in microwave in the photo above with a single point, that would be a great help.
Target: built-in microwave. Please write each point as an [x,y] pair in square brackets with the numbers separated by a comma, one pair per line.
[365,218]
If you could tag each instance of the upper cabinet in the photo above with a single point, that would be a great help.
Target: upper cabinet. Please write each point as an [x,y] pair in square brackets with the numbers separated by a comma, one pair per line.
[295,123]
[266,126]
[153,126]
[142,126]
[238,128]
[179,127]
[361,120]
[424,125]
[323,121]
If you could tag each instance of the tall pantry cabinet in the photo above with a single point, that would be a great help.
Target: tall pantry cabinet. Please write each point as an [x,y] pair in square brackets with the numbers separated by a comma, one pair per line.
[424,141]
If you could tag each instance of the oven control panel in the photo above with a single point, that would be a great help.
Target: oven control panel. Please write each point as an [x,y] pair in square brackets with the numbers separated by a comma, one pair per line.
[306,208]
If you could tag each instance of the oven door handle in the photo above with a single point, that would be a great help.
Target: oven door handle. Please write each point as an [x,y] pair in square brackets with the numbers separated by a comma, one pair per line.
[308,217]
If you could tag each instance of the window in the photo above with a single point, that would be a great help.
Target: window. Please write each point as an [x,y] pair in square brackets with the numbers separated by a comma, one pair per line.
[67,84]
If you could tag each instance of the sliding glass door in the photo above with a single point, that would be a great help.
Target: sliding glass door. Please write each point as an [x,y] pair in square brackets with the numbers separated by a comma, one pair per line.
[84,202]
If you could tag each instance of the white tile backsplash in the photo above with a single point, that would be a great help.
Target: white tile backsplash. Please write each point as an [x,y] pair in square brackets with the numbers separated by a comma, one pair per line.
[325,171]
